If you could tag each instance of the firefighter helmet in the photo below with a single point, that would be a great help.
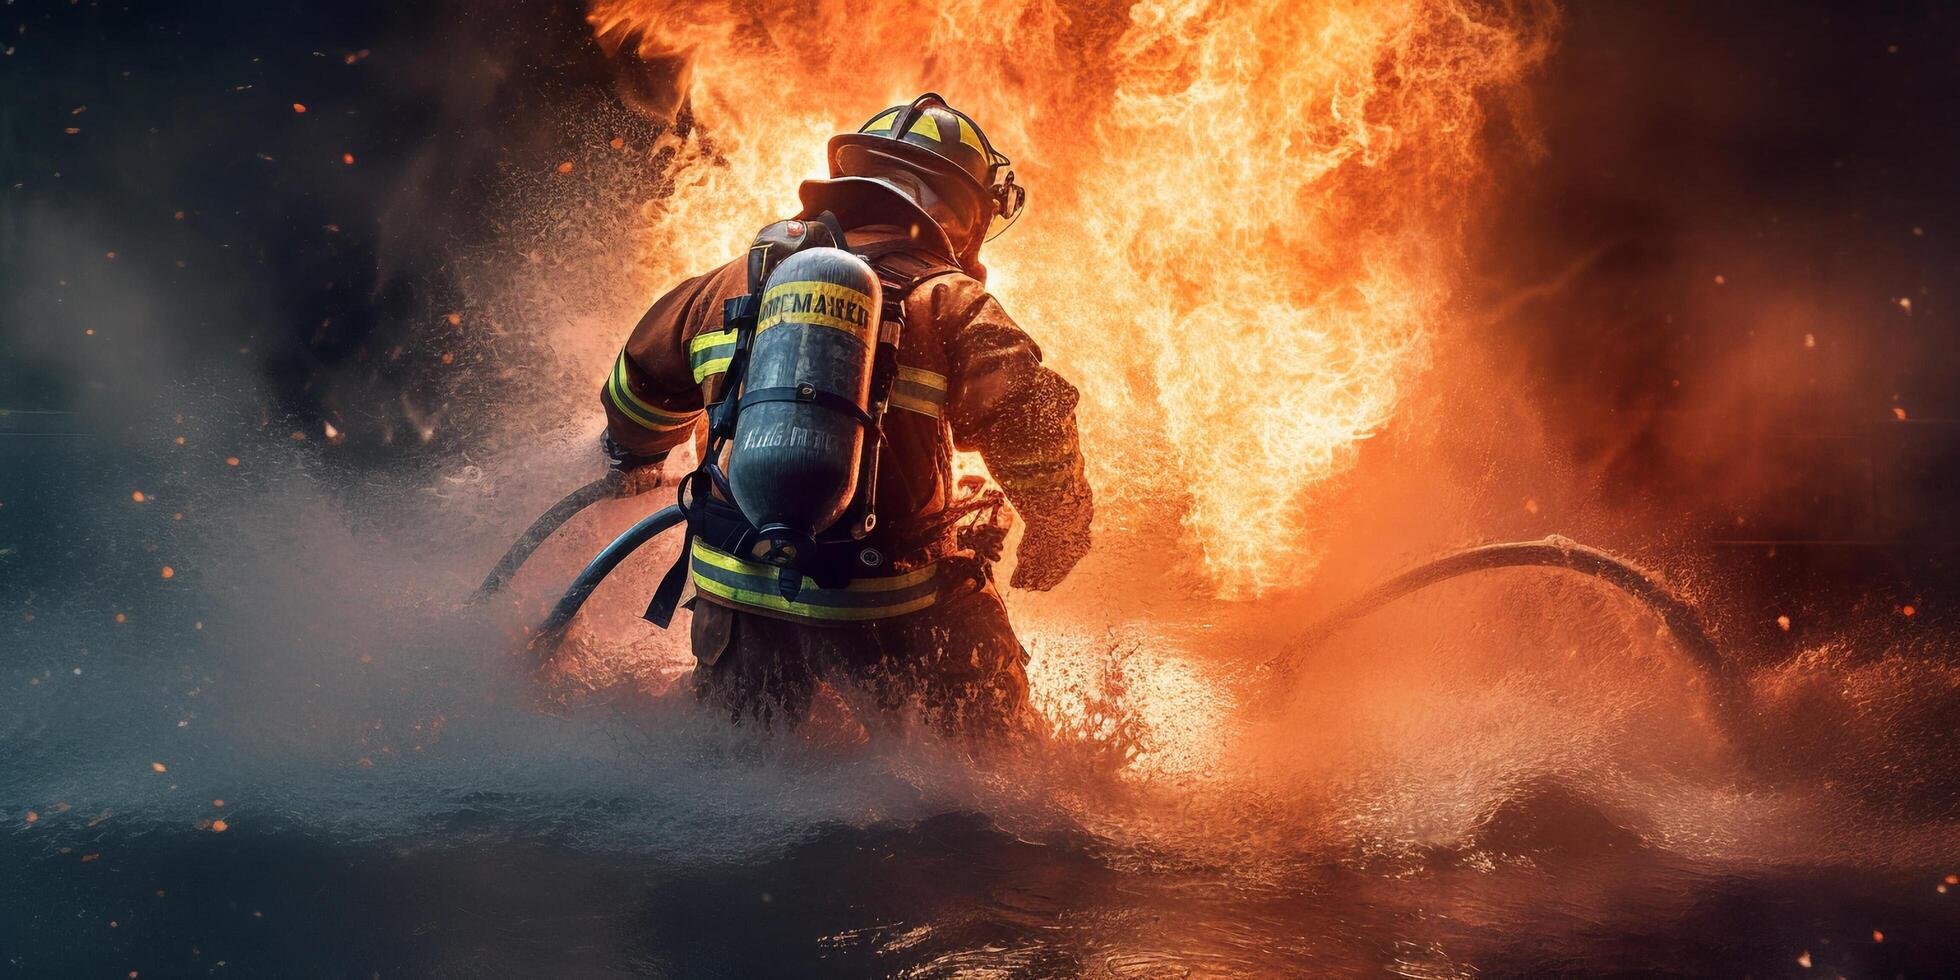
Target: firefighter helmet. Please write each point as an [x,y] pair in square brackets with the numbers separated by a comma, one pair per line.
[946,149]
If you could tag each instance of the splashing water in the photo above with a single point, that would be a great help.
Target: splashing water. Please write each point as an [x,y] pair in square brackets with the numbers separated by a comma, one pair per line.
[352,716]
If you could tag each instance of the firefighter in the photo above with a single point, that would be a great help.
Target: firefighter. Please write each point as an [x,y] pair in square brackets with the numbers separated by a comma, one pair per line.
[916,190]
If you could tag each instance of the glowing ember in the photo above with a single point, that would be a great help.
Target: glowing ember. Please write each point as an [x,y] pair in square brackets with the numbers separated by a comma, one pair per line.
[158,767]
[168,572]
[1243,225]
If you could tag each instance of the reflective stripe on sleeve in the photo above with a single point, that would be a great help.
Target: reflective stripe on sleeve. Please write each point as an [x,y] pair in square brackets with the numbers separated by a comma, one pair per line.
[647,416]
[919,390]
[708,354]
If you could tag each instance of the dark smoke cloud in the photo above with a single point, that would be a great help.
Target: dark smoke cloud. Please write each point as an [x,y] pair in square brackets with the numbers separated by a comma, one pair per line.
[248,252]
[185,252]
[1725,272]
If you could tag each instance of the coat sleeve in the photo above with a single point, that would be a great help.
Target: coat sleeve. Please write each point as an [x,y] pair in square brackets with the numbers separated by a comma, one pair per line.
[651,399]
[1018,413]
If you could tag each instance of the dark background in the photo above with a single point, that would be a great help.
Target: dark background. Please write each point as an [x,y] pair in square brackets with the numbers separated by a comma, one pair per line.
[1718,183]
[1803,154]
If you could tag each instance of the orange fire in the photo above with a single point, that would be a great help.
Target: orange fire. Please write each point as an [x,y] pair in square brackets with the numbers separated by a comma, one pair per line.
[1244,216]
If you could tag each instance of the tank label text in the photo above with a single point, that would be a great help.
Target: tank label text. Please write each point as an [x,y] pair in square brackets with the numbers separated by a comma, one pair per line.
[825,304]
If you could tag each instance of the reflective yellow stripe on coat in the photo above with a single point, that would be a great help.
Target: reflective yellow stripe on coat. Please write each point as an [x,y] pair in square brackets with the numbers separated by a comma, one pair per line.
[709,353]
[919,390]
[727,577]
[647,416]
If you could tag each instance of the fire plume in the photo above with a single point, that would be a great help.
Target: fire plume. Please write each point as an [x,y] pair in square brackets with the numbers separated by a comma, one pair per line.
[1244,216]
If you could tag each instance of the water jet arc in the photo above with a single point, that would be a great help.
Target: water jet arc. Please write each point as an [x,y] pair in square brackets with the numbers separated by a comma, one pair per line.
[1726,688]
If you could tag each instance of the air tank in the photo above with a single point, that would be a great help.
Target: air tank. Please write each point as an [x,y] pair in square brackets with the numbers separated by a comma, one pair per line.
[793,463]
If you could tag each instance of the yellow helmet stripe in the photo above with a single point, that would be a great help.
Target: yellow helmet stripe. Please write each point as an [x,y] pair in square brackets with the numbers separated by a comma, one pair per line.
[881,123]
[925,127]
[970,137]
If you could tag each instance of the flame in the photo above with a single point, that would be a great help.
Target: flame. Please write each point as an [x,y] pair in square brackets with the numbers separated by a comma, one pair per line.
[1243,221]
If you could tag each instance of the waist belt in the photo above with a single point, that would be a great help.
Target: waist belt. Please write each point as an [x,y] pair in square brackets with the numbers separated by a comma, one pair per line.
[742,583]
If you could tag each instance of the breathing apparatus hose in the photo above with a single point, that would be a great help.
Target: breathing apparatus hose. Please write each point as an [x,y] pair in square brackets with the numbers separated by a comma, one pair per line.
[520,551]
[1726,688]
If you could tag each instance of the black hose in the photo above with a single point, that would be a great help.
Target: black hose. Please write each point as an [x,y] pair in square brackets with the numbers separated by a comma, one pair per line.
[520,551]
[1726,687]
[552,630]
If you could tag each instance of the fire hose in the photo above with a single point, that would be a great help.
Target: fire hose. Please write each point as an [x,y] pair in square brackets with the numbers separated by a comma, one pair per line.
[550,632]
[1727,691]
[550,521]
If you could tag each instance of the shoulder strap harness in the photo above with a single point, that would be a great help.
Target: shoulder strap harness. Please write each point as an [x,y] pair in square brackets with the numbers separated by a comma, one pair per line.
[841,554]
